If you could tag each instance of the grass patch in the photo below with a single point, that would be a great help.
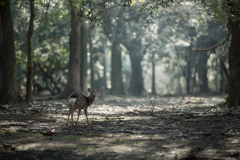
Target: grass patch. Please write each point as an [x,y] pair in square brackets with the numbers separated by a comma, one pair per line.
[72,137]
[3,132]
[86,147]
[123,142]
[34,135]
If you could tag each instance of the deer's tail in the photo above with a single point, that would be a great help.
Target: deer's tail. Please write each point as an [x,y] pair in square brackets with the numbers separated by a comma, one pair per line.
[72,100]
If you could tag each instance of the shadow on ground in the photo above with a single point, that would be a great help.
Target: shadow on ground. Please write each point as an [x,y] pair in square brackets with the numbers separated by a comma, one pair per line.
[193,128]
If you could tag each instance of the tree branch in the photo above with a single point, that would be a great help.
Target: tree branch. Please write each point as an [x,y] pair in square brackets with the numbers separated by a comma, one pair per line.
[229,33]
[47,9]
[49,76]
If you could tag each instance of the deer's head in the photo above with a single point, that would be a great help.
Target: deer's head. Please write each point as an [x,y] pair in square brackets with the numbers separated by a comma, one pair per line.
[93,92]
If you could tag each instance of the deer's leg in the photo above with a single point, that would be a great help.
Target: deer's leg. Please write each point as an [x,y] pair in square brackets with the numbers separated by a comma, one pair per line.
[79,111]
[85,111]
[68,114]
[72,116]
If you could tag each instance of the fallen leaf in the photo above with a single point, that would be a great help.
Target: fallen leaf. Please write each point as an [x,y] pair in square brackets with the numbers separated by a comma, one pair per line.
[48,132]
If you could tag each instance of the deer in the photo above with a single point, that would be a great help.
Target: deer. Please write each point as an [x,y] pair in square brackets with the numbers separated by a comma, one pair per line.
[79,101]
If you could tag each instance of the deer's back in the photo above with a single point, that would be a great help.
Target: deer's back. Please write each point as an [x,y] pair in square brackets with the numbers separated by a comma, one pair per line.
[78,100]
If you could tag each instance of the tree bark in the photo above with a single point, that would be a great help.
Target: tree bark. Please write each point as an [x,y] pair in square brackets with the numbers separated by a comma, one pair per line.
[91,60]
[9,86]
[84,62]
[188,76]
[117,87]
[153,74]
[73,83]
[233,97]
[116,70]
[136,83]
[202,71]
[29,93]
[224,67]
[104,71]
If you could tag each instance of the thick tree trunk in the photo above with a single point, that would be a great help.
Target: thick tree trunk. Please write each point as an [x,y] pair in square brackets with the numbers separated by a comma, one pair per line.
[84,62]
[29,96]
[1,39]
[116,70]
[9,86]
[233,97]
[73,83]
[136,83]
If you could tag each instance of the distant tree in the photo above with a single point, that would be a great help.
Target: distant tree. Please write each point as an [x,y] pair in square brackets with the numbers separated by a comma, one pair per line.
[153,73]
[73,80]
[113,32]
[136,51]
[29,93]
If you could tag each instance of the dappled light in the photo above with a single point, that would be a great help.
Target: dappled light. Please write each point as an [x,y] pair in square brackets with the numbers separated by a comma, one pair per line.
[120,79]
[124,127]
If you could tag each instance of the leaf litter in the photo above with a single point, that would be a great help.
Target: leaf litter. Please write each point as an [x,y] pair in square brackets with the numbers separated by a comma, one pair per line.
[122,128]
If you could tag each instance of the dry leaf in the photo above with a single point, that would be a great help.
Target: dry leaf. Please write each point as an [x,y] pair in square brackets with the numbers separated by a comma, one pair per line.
[48,132]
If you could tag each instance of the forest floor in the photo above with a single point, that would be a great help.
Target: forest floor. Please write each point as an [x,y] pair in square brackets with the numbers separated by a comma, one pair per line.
[122,128]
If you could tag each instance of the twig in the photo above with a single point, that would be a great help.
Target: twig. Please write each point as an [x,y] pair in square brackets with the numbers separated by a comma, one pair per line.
[208,110]
[169,116]
[152,102]
[167,100]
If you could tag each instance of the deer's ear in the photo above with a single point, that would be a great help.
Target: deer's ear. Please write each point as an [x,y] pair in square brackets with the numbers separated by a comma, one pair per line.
[89,89]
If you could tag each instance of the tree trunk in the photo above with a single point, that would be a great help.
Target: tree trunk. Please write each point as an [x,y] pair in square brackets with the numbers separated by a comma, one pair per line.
[73,83]
[84,62]
[9,86]
[203,58]
[1,41]
[224,67]
[221,87]
[29,96]
[136,83]
[153,75]
[116,70]
[91,60]
[223,81]
[233,97]
[188,76]
[104,72]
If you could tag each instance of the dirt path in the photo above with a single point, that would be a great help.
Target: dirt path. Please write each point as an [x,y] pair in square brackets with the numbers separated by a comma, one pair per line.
[133,128]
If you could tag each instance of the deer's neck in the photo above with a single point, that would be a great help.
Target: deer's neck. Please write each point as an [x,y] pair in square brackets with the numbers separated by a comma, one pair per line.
[90,99]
